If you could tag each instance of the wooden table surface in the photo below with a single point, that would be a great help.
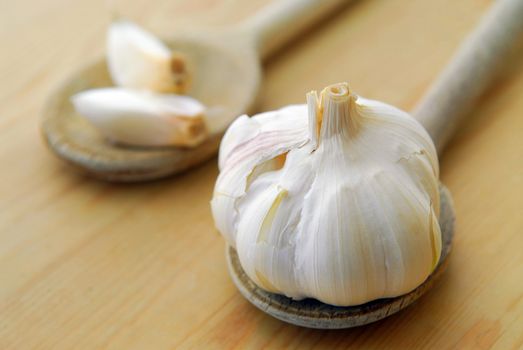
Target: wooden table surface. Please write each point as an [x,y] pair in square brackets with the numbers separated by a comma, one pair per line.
[91,265]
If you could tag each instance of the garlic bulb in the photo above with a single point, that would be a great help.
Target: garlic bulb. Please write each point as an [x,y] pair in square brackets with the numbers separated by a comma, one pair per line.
[335,200]
[138,60]
[143,118]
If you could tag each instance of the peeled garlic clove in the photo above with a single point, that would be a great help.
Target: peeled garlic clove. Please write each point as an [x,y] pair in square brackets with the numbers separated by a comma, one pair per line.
[138,60]
[142,118]
[335,200]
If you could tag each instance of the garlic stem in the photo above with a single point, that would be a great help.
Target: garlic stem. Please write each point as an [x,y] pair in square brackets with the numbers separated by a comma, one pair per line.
[331,113]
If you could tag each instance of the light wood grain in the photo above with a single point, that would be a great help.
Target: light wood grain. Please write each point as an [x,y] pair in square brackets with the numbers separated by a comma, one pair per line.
[89,265]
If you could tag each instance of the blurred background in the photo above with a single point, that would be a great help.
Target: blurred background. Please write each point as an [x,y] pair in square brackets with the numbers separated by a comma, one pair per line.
[86,264]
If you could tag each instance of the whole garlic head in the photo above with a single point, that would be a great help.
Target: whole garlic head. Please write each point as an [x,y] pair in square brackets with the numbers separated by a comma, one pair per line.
[139,60]
[335,200]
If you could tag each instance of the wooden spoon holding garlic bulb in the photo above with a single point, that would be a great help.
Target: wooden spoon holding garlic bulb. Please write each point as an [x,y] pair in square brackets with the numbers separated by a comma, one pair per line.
[476,64]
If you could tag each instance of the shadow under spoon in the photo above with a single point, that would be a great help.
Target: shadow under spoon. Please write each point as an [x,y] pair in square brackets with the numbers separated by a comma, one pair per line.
[476,64]
[226,73]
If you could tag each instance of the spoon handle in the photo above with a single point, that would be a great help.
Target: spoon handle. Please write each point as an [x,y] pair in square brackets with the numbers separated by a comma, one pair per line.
[478,61]
[281,21]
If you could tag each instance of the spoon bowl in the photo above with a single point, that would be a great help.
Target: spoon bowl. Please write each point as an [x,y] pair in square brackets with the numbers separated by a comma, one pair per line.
[225,72]
[225,78]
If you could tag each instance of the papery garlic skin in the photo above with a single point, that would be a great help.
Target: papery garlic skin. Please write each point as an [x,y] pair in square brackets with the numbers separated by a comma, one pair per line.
[142,118]
[336,201]
[137,59]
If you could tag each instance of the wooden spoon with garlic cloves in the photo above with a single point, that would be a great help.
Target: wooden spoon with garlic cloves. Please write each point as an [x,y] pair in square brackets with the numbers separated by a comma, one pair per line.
[225,69]
[477,63]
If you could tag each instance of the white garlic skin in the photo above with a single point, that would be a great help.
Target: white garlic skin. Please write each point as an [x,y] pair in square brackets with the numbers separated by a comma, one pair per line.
[352,216]
[142,118]
[138,60]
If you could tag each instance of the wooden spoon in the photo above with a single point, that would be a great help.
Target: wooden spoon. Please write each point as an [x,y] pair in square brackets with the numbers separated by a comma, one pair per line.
[226,72]
[476,64]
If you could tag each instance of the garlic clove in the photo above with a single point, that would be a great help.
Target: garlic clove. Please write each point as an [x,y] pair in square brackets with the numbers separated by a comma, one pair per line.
[269,214]
[136,59]
[248,143]
[336,200]
[143,118]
